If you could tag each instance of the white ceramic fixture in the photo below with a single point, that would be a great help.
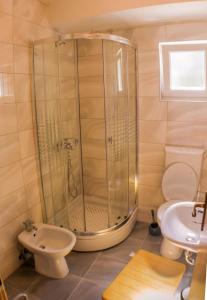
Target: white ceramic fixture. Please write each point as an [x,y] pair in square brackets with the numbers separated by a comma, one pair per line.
[179,183]
[182,229]
[106,239]
[49,244]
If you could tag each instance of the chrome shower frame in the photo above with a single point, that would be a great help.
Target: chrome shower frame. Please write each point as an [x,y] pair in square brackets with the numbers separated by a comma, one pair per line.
[61,39]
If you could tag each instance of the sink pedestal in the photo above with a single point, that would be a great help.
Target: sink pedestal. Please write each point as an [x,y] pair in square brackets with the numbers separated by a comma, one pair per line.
[169,250]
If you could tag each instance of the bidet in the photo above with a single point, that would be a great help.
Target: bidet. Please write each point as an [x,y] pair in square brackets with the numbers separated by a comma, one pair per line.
[49,244]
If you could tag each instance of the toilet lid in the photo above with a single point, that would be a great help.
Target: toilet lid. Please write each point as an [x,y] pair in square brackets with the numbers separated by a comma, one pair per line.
[179,182]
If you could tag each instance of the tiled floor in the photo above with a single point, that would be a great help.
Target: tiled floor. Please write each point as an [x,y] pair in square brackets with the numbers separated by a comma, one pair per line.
[90,273]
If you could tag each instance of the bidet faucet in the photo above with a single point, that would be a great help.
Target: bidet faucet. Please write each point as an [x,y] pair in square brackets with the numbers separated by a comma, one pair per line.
[29,225]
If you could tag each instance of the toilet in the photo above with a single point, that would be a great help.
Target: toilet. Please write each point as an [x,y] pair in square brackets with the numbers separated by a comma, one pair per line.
[49,244]
[179,183]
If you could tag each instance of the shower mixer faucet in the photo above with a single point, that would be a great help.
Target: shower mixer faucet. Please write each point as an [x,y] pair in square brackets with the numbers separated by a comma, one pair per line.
[69,143]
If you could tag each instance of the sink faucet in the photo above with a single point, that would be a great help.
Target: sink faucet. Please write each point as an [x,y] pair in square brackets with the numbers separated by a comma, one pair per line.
[197,205]
[29,225]
[201,205]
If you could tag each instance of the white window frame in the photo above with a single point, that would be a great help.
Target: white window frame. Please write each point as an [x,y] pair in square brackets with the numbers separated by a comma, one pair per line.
[166,93]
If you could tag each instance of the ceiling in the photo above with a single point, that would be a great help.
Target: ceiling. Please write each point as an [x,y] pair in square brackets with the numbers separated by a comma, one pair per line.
[68,15]
[196,10]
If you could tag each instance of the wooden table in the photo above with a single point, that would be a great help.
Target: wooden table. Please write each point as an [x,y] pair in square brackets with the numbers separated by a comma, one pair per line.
[197,290]
[146,277]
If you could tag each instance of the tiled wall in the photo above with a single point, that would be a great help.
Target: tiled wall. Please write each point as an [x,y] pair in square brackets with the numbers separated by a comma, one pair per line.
[161,123]
[92,115]
[21,21]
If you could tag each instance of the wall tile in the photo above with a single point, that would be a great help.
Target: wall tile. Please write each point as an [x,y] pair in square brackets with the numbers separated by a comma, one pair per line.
[7,88]
[24,116]
[152,154]
[68,109]
[150,175]
[19,188]
[9,261]
[186,31]
[153,132]
[148,37]
[90,65]
[203,180]
[151,108]
[10,233]
[23,92]
[95,187]
[149,85]
[94,149]
[148,62]
[67,65]
[92,108]
[27,144]
[24,32]
[8,118]
[67,88]
[95,169]
[6,58]
[9,149]
[89,47]
[194,112]
[51,63]
[6,23]
[91,86]
[33,11]
[10,179]
[12,206]
[6,6]
[187,134]
[150,196]
[93,129]
[32,190]
[29,169]
[35,213]
[22,60]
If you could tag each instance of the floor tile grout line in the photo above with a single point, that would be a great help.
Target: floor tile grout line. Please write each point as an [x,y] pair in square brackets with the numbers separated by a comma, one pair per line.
[32,284]
[24,289]
[99,254]
[116,259]
[81,279]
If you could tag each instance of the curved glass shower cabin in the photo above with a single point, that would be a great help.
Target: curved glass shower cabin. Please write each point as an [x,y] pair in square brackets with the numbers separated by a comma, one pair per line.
[85,90]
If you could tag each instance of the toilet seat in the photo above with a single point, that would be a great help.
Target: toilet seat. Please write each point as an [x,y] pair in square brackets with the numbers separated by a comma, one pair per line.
[179,182]
[184,188]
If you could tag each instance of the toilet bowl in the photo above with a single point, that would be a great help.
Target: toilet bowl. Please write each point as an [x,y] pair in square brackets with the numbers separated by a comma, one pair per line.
[49,244]
[179,183]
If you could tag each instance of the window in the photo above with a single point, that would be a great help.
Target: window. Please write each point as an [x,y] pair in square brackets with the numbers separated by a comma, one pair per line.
[183,71]
[119,69]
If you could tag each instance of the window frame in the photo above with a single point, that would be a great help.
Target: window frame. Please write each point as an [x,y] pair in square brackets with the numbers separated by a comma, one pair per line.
[166,93]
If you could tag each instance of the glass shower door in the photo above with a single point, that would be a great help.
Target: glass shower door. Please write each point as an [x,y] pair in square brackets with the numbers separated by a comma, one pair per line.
[132,125]
[55,74]
[117,124]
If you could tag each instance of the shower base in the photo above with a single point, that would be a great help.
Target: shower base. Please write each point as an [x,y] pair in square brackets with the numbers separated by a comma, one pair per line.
[94,241]
[96,218]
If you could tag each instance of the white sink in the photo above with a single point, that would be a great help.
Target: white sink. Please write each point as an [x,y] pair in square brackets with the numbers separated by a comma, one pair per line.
[182,229]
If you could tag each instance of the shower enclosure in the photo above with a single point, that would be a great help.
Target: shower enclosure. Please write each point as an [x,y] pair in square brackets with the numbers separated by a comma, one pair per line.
[85,102]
